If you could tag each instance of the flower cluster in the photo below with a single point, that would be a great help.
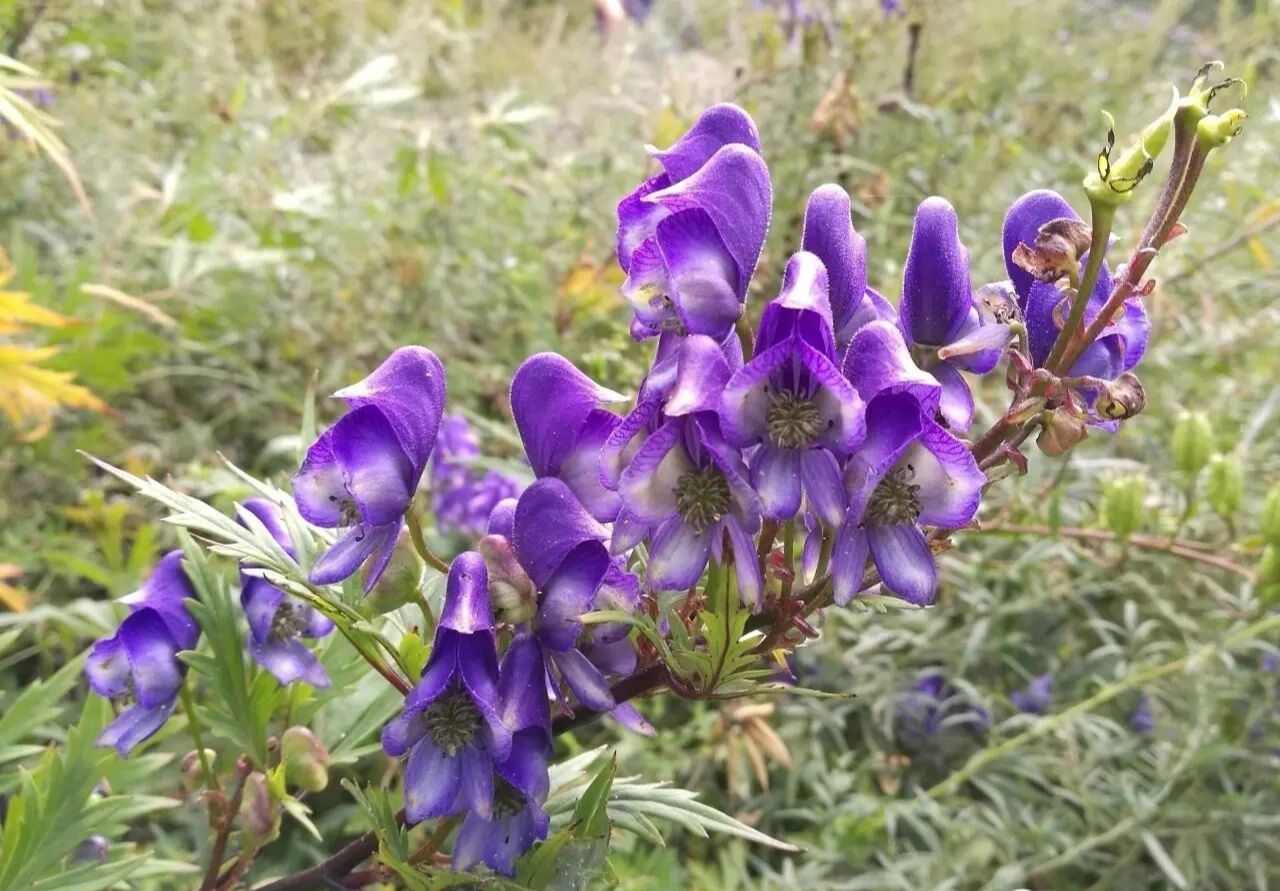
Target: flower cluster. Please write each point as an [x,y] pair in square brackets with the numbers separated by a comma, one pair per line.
[462,494]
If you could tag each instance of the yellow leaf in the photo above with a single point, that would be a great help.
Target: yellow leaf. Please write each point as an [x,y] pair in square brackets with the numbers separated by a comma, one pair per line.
[1259,253]
[14,599]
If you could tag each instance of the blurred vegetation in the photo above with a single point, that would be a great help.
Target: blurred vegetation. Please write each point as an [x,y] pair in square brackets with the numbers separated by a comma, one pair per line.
[283,190]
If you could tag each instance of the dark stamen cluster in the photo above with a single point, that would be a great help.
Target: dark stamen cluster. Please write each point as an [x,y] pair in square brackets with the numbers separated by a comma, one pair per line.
[452,720]
[792,421]
[896,499]
[507,799]
[287,622]
[702,497]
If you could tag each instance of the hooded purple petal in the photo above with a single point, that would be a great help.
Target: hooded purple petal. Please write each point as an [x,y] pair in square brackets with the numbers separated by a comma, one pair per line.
[936,296]
[165,590]
[877,361]
[550,401]
[1022,223]
[829,234]
[409,388]
[549,523]
[719,125]
[466,600]
[802,308]
[701,375]
[152,655]
[569,593]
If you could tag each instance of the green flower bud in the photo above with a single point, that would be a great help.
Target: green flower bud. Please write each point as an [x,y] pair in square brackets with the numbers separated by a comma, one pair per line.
[1122,502]
[306,761]
[1216,130]
[1269,519]
[1060,431]
[192,771]
[1224,487]
[399,583]
[259,812]
[1192,442]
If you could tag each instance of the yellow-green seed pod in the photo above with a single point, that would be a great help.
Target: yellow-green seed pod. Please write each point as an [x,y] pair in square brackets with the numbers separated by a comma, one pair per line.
[1122,502]
[306,761]
[1113,182]
[1224,487]
[1269,518]
[1191,442]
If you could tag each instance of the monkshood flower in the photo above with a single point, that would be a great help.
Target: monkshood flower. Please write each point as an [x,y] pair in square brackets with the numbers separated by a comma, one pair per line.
[1140,719]
[685,487]
[450,727]
[1034,699]
[463,496]
[931,705]
[689,237]
[140,661]
[792,401]
[937,314]
[277,620]
[520,781]
[556,410]
[361,474]
[1121,344]
[830,236]
[908,472]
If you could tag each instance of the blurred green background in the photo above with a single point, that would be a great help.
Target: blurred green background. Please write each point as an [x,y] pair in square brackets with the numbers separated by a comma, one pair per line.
[284,190]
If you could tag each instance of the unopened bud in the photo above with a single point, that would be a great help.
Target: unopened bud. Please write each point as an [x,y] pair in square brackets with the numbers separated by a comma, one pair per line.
[1122,502]
[259,813]
[1191,442]
[306,761]
[193,771]
[511,591]
[1224,487]
[1061,431]
[1269,518]
[1121,398]
[92,850]
[399,583]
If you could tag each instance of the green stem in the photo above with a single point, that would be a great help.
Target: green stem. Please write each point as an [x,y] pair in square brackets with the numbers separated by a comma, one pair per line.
[1103,217]
[420,542]
[197,735]
[789,553]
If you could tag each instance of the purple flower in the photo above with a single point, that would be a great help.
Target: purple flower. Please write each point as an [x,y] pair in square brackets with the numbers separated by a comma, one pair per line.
[140,661]
[1034,699]
[937,315]
[463,496]
[520,781]
[450,728]
[909,472]
[792,401]
[277,620]
[556,409]
[1120,345]
[829,235]
[689,237]
[1140,719]
[362,473]
[930,706]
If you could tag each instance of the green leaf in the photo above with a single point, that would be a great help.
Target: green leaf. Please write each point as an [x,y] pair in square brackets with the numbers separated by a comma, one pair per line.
[38,704]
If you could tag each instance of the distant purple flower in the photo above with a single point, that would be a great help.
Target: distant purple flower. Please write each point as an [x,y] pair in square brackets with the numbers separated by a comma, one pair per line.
[362,473]
[909,472]
[792,403]
[450,728]
[277,620]
[520,781]
[140,661]
[1034,699]
[1140,719]
[689,237]
[930,706]
[463,495]
[1120,345]
[937,311]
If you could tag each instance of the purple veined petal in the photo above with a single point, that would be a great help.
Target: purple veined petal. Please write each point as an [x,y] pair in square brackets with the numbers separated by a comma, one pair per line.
[466,601]
[893,422]
[289,660]
[745,564]
[431,782]
[936,295]
[409,389]
[719,125]
[957,400]
[905,564]
[620,589]
[268,513]
[522,686]
[375,469]
[475,781]
[678,553]
[775,475]
[848,559]
[585,680]
[469,845]
[626,439]
[637,218]
[550,401]
[977,347]
[661,376]
[133,725]
[526,768]
[829,234]
[701,279]
[317,624]
[1135,327]
[107,667]
[478,668]
[512,836]
[801,310]
[877,361]
[628,531]
[648,485]
[700,379]
[745,403]
[733,188]
[613,656]
[403,732]
[812,545]
[153,659]
[580,469]
[550,522]
[165,590]
[344,556]
[873,308]
[389,534]
[823,489]
[318,487]
[569,593]
[629,717]
[438,673]
[259,599]
[1022,222]
[502,519]
[838,403]
[948,476]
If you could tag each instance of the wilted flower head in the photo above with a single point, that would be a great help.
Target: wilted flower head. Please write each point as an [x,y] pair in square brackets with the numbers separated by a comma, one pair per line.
[362,473]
